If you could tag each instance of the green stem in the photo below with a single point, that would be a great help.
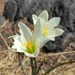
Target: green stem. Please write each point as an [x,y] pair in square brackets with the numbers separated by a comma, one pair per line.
[60,64]
[33,65]
[56,66]
[31,59]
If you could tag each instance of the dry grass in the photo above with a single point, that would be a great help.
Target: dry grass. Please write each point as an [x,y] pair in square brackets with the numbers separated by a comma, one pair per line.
[10,65]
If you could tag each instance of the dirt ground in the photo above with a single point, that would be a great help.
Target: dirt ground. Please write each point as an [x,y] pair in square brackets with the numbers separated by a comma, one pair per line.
[10,64]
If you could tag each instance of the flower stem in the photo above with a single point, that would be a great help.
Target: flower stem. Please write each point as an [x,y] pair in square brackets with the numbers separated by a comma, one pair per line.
[31,59]
[33,66]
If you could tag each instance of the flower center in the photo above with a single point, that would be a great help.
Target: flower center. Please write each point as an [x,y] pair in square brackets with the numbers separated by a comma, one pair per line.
[45,30]
[30,48]
[28,45]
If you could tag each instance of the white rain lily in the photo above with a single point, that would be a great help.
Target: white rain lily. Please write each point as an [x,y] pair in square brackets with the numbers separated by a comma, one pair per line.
[48,27]
[29,42]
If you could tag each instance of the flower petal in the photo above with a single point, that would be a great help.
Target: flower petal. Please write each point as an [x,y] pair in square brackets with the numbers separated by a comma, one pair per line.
[18,49]
[32,55]
[24,30]
[43,22]
[53,22]
[44,15]
[37,33]
[16,37]
[50,37]
[16,44]
[23,38]
[56,32]
[35,18]
[43,41]
[51,33]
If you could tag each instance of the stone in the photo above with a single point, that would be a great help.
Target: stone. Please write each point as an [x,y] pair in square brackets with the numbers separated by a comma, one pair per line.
[2,20]
[10,10]
[18,9]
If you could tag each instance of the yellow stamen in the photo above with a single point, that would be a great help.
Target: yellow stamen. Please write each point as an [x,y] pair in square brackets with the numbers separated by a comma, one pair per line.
[45,30]
[28,45]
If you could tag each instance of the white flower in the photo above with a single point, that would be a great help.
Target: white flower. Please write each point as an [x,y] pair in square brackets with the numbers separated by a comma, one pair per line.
[29,42]
[48,27]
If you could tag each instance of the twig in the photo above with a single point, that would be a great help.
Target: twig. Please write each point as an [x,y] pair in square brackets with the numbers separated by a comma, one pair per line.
[21,64]
[40,65]
[58,65]
[2,35]
[5,23]
[4,40]
[51,54]
[56,60]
